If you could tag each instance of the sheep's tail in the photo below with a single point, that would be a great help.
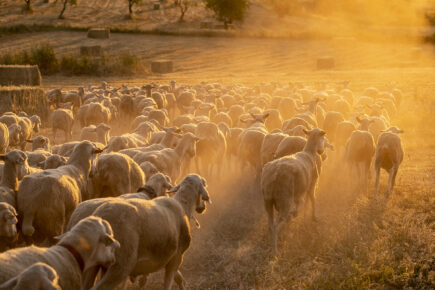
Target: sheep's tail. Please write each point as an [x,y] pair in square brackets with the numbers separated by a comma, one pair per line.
[27,227]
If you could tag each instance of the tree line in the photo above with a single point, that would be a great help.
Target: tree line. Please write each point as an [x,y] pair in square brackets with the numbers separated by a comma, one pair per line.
[226,11]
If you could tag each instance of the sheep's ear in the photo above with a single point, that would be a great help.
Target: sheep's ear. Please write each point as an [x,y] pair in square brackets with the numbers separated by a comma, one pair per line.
[322,133]
[2,157]
[265,115]
[29,141]
[400,131]
[306,131]
[41,164]
[97,150]
[42,141]
[204,194]
[174,189]
[60,237]
[358,119]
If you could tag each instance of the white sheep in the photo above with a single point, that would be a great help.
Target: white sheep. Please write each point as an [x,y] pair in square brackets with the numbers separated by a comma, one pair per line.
[14,166]
[99,133]
[4,138]
[38,276]
[8,226]
[287,181]
[45,200]
[146,227]
[76,258]
[115,174]
[62,119]
[389,156]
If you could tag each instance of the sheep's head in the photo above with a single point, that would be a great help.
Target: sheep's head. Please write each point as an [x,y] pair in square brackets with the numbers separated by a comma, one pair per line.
[14,134]
[364,123]
[203,195]
[39,275]
[36,123]
[8,220]
[19,160]
[160,183]
[394,130]
[53,161]
[93,239]
[316,139]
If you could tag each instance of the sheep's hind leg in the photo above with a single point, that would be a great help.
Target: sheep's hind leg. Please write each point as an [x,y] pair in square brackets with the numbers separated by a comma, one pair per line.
[179,279]
[170,272]
[378,172]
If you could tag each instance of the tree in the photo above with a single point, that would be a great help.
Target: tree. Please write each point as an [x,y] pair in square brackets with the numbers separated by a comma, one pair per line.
[228,10]
[65,2]
[184,5]
[130,5]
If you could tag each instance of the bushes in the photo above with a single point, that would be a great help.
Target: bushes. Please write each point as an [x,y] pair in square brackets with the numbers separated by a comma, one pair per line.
[45,57]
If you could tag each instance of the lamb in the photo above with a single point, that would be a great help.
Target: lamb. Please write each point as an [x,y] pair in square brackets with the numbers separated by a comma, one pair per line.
[285,182]
[4,138]
[62,119]
[389,156]
[45,200]
[38,276]
[147,227]
[359,152]
[115,174]
[15,164]
[99,133]
[76,258]
[8,226]
[40,142]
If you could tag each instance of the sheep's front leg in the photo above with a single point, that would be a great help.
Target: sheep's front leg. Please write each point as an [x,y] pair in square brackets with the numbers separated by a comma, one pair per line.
[179,279]
[391,179]
[268,204]
[311,195]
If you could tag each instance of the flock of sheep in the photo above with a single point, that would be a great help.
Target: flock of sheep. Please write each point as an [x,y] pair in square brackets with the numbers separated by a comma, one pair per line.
[105,209]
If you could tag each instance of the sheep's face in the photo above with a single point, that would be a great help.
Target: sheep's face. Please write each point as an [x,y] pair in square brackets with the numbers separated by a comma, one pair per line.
[203,195]
[317,138]
[8,221]
[54,161]
[14,134]
[19,159]
[93,238]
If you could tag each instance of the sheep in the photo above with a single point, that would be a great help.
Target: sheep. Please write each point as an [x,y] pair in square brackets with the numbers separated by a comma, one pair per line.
[332,119]
[389,156]
[45,200]
[4,138]
[156,231]
[15,164]
[285,182]
[38,276]
[93,114]
[293,122]
[359,152]
[76,258]
[274,120]
[210,148]
[65,149]
[62,119]
[36,123]
[8,226]
[106,181]
[269,146]
[157,186]
[14,135]
[99,133]
[250,141]
[40,142]
[169,160]
[148,169]
[377,125]
[53,161]
[289,145]
[235,111]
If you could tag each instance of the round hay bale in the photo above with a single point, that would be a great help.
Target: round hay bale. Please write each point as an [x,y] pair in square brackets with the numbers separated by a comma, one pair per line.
[99,33]
[31,100]
[326,62]
[20,75]
[94,50]
[162,66]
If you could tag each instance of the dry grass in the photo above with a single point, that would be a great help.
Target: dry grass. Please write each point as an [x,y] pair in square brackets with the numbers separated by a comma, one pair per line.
[19,75]
[29,99]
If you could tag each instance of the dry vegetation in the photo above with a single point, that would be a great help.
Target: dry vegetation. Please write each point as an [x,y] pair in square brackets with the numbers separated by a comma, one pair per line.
[360,242]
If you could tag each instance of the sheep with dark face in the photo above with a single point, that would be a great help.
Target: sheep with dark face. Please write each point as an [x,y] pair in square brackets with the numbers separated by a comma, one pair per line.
[287,181]
[77,257]
[156,231]
[45,200]
[389,156]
